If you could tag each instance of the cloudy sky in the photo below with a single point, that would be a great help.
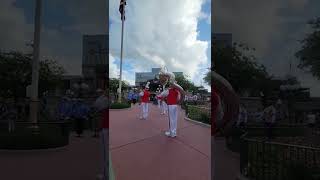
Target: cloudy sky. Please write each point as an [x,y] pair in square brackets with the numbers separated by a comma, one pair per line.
[175,33]
[272,27]
[64,23]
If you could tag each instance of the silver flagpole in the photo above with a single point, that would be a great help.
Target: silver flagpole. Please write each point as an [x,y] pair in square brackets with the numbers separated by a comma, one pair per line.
[121,56]
[35,67]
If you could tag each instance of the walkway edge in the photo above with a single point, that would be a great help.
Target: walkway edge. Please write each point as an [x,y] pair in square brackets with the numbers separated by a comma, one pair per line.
[34,150]
[197,122]
[120,109]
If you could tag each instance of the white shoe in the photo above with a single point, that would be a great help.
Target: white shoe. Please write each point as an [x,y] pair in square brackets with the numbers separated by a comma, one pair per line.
[173,135]
[167,133]
[141,117]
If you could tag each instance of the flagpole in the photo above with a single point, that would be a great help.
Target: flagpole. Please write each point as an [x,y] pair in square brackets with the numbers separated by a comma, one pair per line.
[121,56]
[35,67]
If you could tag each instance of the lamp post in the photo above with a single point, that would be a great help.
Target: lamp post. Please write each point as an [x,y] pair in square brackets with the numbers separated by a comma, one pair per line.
[34,101]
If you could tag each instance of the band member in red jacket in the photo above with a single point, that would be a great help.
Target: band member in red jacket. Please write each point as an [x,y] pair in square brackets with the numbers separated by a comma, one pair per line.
[174,95]
[145,100]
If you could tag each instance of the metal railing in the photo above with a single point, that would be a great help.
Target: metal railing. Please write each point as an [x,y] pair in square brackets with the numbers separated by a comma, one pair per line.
[271,160]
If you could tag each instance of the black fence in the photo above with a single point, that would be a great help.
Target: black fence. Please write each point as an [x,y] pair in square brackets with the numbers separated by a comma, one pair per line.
[262,160]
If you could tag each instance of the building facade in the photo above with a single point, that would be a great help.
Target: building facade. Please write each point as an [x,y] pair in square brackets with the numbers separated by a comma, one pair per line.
[95,60]
[142,77]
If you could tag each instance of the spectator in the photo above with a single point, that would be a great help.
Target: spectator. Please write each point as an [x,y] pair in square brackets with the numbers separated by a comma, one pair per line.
[65,109]
[135,97]
[311,119]
[80,114]
[99,106]
[269,117]
[242,117]
[130,97]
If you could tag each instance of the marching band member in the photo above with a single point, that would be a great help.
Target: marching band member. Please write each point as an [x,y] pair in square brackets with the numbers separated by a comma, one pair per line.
[158,98]
[175,95]
[145,99]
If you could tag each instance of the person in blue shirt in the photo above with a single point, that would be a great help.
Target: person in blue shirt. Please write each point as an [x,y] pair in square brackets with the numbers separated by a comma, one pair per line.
[80,114]
[130,97]
[135,97]
[65,109]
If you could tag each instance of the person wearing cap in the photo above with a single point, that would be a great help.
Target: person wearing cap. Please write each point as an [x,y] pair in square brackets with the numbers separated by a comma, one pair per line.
[174,95]
[145,100]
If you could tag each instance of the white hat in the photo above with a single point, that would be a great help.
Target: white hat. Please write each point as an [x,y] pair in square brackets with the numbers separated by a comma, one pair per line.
[147,85]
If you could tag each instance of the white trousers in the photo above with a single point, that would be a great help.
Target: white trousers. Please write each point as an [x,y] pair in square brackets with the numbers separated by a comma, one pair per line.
[164,107]
[159,104]
[173,118]
[144,109]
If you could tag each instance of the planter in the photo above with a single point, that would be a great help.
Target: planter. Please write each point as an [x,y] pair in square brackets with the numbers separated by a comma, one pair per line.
[49,135]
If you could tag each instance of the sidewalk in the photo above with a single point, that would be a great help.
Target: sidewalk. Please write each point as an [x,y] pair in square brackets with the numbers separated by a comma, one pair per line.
[227,162]
[140,150]
[80,160]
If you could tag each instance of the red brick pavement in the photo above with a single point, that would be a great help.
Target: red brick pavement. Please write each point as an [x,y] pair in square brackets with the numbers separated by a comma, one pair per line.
[80,160]
[141,151]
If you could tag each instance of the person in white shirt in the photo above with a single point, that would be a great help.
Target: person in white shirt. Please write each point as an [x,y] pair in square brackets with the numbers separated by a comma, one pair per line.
[242,117]
[269,117]
[311,118]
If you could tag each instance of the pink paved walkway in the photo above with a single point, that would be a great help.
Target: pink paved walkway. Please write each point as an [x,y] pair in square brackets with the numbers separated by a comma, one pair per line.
[141,151]
[80,160]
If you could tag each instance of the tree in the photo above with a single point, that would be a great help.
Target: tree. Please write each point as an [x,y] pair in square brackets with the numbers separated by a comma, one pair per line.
[240,68]
[207,78]
[16,71]
[114,85]
[185,83]
[309,54]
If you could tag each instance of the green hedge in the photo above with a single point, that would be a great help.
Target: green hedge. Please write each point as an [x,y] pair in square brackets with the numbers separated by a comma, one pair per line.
[198,114]
[119,105]
[49,135]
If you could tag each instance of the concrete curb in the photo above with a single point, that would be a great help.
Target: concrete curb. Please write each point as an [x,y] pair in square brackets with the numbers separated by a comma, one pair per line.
[33,150]
[120,109]
[197,122]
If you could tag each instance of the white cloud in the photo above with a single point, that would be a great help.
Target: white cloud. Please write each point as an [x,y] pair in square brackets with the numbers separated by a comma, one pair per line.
[209,19]
[15,32]
[153,38]
[113,69]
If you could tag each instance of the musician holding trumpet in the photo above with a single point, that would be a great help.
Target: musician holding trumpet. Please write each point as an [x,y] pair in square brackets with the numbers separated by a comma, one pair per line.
[174,95]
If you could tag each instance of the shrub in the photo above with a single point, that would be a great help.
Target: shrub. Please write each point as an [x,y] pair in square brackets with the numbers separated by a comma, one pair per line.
[119,106]
[198,114]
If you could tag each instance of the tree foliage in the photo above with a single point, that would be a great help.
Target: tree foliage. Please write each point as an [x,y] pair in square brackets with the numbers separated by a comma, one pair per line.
[16,72]
[114,85]
[309,54]
[240,68]
[207,78]
[186,84]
